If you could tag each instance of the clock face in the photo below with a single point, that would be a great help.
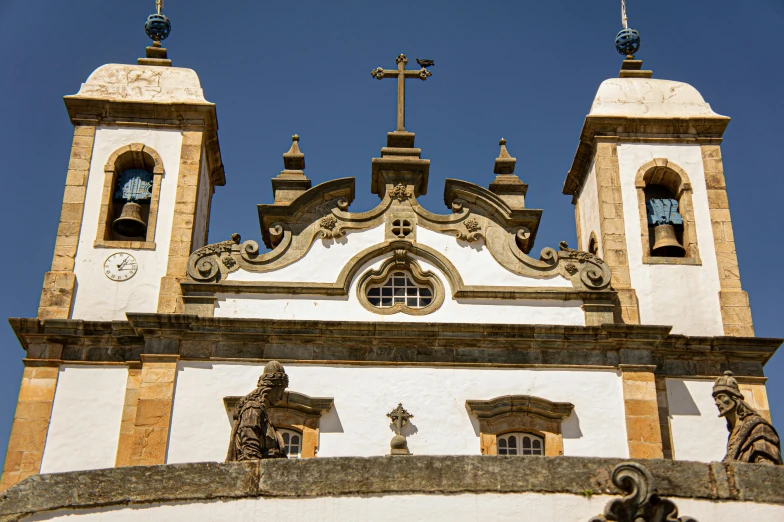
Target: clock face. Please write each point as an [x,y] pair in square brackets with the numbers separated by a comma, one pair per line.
[120,266]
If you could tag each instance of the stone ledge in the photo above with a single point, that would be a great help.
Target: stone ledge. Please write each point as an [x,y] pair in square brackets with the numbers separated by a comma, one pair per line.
[433,475]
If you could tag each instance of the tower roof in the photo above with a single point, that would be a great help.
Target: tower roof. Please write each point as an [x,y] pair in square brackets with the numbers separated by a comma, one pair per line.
[648,97]
[143,83]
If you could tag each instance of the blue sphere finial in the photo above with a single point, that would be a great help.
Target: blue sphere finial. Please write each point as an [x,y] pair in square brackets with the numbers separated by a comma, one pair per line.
[627,42]
[157,27]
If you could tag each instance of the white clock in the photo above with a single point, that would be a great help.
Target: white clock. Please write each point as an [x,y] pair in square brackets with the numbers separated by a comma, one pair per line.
[120,266]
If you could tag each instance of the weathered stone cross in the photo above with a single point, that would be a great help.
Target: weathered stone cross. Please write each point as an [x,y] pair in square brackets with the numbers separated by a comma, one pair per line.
[402,75]
[399,416]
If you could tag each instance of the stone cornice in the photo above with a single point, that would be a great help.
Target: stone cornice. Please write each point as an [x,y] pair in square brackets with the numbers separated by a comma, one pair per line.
[347,476]
[509,404]
[619,127]
[353,342]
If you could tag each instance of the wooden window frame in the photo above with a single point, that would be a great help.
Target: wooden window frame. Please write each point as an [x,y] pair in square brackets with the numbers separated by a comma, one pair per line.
[133,156]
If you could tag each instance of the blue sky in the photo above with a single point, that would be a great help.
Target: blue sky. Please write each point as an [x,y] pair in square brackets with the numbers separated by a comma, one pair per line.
[524,70]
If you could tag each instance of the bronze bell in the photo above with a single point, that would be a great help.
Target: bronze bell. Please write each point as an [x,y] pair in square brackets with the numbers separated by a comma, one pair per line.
[130,222]
[666,242]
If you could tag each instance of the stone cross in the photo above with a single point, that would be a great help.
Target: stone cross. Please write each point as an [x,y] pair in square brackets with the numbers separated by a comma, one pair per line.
[399,417]
[402,74]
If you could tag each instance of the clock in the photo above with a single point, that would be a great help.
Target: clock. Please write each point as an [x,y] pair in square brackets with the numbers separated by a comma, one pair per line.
[120,266]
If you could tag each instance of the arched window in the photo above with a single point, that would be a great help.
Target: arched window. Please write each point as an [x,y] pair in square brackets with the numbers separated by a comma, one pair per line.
[292,443]
[667,225]
[131,192]
[520,444]
[400,288]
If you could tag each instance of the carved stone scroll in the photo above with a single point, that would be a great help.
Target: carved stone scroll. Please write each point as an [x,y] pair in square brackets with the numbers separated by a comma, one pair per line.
[642,503]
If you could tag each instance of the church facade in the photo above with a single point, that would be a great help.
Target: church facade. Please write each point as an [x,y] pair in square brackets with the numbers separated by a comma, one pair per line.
[426,340]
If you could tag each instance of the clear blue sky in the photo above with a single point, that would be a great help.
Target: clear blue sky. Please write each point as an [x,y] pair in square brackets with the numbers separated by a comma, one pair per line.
[524,70]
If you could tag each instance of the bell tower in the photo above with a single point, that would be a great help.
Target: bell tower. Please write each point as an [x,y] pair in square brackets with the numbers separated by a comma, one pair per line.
[144,163]
[650,198]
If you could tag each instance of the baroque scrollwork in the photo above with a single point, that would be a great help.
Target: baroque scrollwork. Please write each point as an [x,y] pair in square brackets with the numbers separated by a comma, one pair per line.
[642,503]
[593,272]
[207,262]
[400,192]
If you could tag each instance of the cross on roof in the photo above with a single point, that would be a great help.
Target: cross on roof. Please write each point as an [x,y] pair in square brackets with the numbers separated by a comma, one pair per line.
[399,417]
[402,74]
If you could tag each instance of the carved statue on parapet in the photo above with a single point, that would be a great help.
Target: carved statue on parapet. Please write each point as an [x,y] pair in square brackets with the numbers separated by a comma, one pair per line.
[253,437]
[642,502]
[752,438]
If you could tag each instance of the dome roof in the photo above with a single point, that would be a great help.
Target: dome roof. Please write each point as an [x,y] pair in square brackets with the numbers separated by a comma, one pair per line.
[141,83]
[647,97]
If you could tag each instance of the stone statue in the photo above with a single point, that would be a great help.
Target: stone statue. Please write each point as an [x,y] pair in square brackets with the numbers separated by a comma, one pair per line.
[253,436]
[752,438]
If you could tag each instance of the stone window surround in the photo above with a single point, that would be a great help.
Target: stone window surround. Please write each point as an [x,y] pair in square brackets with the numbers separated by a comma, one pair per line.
[400,261]
[135,155]
[661,171]
[520,414]
[296,411]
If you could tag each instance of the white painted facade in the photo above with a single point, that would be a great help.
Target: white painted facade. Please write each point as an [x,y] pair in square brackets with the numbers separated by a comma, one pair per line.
[86,415]
[357,425]
[698,433]
[512,507]
[684,296]
[98,298]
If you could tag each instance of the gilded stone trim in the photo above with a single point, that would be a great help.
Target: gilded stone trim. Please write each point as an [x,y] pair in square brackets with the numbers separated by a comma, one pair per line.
[520,413]
[134,155]
[295,411]
[401,261]
[735,309]
[60,283]
[31,421]
[661,171]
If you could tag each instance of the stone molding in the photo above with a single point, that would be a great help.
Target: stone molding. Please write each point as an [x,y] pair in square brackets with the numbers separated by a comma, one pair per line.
[661,171]
[295,411]
[671,129]
[401,261]
[734,302]
[520,413]
[59,284]
[348,476]
[133,155]
[377,343]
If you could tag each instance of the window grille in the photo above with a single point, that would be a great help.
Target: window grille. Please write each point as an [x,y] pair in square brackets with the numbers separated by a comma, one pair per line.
[292,443]
[520,444]
[401,227]
[400,289]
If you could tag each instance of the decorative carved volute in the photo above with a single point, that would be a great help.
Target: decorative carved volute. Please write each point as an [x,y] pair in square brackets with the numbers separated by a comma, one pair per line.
[642,503]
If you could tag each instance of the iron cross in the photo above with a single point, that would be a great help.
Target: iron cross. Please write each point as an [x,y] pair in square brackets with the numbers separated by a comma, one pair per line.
[402,74]
[399,415]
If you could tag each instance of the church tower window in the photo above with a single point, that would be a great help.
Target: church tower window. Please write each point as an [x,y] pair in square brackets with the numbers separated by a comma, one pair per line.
[131,193]
[520,444]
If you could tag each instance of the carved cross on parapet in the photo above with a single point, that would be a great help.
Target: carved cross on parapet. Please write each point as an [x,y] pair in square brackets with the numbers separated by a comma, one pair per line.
[399,417]
[402,74]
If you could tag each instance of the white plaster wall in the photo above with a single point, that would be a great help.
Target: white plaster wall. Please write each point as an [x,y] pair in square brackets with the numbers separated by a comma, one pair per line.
[348,308]
[530,507]
[323,262]
[86,415]
[686,297]
[201,220]
[358,426]
[589,211]
[698,433]
[97,297]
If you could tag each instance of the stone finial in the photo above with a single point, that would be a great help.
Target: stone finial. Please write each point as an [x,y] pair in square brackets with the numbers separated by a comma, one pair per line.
[291,182]
[506,183]
[400,417]
[294,159]
[504,163]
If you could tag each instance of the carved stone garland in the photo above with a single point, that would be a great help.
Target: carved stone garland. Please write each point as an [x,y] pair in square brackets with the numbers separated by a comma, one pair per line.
[642,503]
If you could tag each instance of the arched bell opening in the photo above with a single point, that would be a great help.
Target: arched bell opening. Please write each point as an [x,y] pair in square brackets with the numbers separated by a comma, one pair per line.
[665,223]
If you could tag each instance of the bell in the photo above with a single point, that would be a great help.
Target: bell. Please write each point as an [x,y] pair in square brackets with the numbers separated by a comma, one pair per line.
[666,243]
[130,222]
